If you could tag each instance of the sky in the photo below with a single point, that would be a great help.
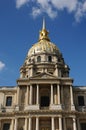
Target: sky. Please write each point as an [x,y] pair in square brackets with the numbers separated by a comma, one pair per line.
[20,23]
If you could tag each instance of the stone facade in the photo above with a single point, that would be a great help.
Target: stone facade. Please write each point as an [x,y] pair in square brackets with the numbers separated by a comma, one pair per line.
[44,98]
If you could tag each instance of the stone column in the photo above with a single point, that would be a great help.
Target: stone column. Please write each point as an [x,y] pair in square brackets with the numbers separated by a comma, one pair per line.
[25,123]
[74,124]
[55,96]
[62,97]
[12,124]
[30,102]
[16,123]
[71,96]
[64,123]
[52,124]
[56,72]
[27,96]
[51,94]
[30,123]
[60,123]
[0,124]
[78,124]
[18,91]
[37,95]
[58,91]
[37,123]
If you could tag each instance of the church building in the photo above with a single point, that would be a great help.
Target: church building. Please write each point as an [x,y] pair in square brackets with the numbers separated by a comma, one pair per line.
[44,97]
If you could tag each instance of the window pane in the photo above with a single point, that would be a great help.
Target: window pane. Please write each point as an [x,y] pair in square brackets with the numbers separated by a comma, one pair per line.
[6,126]
[9,101]
[38,59]
[49,58]
[83,126]
[80,100]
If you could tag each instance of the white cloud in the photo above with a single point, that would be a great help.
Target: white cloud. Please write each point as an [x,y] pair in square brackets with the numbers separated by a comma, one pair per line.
[52,7]
[2,65]
[44,6]
[81,11]
[20,3]
[36,11]
[70,5]
[84,6]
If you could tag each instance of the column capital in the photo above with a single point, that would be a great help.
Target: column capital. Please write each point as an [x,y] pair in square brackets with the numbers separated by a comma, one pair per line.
[37,116]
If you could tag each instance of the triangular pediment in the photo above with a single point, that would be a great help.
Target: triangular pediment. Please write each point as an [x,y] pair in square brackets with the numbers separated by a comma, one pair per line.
[43,76]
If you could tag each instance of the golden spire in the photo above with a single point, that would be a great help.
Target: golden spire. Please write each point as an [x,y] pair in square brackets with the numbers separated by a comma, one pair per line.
[44,24]
[44,32]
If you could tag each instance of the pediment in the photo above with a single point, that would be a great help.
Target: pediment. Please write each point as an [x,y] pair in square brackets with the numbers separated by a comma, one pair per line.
[43,76]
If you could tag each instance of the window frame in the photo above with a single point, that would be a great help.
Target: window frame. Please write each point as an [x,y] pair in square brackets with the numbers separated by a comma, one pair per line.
[38,59]
[8,102]
[4,125]
[49,58]
[81,102]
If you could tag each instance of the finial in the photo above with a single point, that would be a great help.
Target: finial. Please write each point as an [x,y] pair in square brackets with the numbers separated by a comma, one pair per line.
[44,33]
[44,24]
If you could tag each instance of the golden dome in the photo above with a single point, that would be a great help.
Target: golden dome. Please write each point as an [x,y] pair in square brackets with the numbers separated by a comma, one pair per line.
[44,44]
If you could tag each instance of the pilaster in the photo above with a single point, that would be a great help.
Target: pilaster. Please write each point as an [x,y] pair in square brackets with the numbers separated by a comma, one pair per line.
[60,123]
[52,123]
[37,123]
[74,124]
[71,96]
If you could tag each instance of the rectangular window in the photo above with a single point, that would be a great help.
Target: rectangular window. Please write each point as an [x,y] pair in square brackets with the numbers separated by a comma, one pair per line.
[83,126]
[6,126]
[81,100]
[9,101]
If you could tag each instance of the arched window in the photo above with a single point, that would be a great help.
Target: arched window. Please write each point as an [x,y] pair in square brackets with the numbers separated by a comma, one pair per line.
[39,59]
[49,58]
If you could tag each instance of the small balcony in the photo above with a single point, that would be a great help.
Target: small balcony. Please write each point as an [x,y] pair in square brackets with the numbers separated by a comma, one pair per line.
[81,108]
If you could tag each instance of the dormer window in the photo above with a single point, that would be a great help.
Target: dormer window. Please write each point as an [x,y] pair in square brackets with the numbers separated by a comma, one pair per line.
[49,58]
[81,100]
[9,101]
[39,59]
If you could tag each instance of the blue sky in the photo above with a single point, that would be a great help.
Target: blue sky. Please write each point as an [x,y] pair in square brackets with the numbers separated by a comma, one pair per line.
[20,23]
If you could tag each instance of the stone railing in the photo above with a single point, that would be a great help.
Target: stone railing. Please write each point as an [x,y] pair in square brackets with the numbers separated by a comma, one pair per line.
[81,108]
